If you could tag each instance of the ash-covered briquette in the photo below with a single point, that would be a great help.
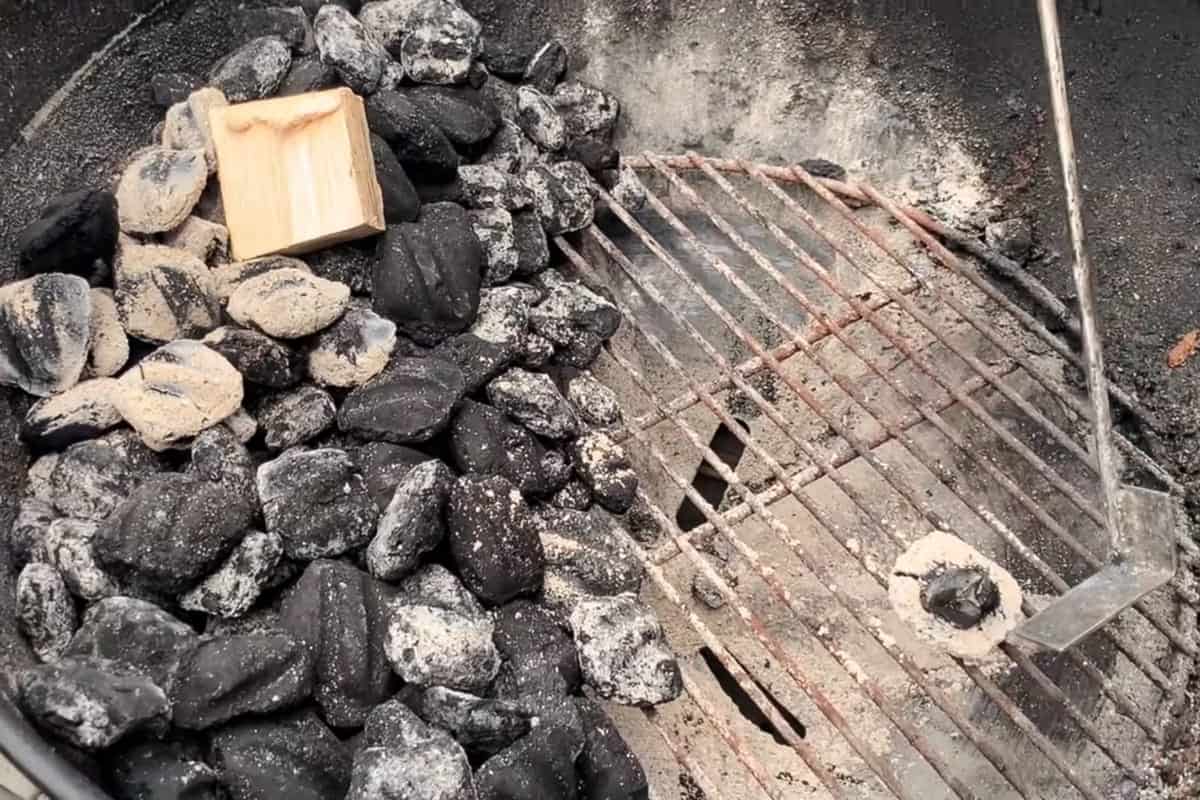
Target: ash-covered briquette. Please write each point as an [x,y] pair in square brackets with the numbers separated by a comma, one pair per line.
[339,525]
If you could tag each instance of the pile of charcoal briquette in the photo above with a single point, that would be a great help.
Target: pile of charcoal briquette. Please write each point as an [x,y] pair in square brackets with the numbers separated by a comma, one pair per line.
[347,525]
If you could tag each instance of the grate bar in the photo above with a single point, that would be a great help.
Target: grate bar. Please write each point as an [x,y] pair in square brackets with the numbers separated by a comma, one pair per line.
[993,692]
[893,336]
[751,366]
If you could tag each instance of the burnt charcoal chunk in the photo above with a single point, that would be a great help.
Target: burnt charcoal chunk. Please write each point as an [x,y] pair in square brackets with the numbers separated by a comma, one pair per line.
[586,110]
[464,115]
[227,676]
[218,456]
[962,597]
[822,168]
[290,24]
[317,502]
[493,539]
[434,769]
[622,651]
[434,585]
[442,43]
[136,633]
[539,121]
[485,442]
[254,70]
[350,263]
[259,358]
[584,556]
[546,67]
[575,496]
[162,771]
[429,646]
[510,150]
[606,469]
[354,350]
[574,318]
[169,88]
[84,411]
[233,589]
[409,403]
[505,57]
[172,531]
[45,328]
[529,639]
[480,724]
[69,546]
[27,536]
[608,769]
[345,44]
[428,273]
[419,144]
[595,154]
[484,186]
[384,465]
[596,403]
[71,234]
[532,399]
[340,614]
[540,765]
[411,525]
[308,74]
[533,251]
[625,187]
[400,200]
[1012,237]
[292,418]
[92,702]
[562,196]
[45,611]
[493,341]
[393,724]
[295,757]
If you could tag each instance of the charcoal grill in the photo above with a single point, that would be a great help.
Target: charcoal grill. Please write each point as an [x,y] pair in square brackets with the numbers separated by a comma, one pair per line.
[879,387]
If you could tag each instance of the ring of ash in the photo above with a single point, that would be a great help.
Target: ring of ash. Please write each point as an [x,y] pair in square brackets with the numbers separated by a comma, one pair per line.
[941,549]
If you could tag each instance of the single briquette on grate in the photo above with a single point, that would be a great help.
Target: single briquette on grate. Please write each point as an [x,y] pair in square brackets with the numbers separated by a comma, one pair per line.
[876,396]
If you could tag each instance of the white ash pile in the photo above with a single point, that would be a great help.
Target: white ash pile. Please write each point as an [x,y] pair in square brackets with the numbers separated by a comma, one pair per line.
[340,525]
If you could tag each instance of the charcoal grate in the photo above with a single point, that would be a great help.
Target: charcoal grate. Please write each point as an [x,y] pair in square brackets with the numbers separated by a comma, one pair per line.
[889,394]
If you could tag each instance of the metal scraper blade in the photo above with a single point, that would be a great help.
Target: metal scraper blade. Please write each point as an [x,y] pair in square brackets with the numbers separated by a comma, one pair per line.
[1143,561]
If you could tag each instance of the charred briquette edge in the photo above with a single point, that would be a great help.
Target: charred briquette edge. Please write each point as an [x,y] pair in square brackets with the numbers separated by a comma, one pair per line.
[745,705]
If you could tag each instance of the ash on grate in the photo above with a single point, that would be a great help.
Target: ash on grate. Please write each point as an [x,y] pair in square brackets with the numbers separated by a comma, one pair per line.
[342,525]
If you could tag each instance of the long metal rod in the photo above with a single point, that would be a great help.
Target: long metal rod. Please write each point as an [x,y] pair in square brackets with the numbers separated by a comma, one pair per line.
[871,520]
[1093,352]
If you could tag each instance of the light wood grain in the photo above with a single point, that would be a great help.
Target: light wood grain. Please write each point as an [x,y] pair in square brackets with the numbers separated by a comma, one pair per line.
[296,173]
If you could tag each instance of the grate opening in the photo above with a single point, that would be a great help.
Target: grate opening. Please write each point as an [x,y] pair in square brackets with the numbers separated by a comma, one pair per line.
[746,705]
[711,486]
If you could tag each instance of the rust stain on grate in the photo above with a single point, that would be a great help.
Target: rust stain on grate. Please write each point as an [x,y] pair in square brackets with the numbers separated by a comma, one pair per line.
[890,395]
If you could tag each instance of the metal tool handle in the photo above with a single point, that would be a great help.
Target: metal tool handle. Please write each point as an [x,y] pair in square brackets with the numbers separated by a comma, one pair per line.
[1093,354]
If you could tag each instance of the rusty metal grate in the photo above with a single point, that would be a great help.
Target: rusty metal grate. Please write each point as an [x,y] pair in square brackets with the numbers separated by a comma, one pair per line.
[878,394]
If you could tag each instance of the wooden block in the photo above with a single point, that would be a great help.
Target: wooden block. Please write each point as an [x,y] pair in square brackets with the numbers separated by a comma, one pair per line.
[296,173]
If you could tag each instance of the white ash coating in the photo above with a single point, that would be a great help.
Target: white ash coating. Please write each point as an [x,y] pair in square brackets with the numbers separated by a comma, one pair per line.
[539,120]
[941,549]
[207,241]
[431,646]
[288,303]
[177,391]
[69,548]
[235,586]
[159,188]
[45,611]
[187,127]
[109,349]
[227,277]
